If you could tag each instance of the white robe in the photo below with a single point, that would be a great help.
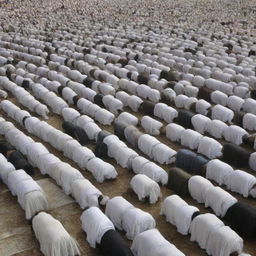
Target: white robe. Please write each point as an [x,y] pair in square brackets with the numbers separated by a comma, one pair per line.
[235,103]
[252,161]
[6,168]
[115,210]
[81,155]
[31,198]
[218,171]
[95,224]
[70,114]
[174,132]
[223,241]
[202,227]
[249,122]
[104,117]
[200,123]
[134,103]
[178,213]
[191,138]
[165,112]
[112,104]
[216,128]
[150,125]
[250,106]
[68,94]
[146,143]
[141,165]
[180,101]
[14,178]
[210,147]
[123,96]
[222,113]
[53,237]
[219,200]
[163,154]
[152,243]
[136,221]
[127,118]
[45,160]
[85,193]
[235,134]
[143,186]
[198,187]
[219,97]
[202,107]
[34,151]
[101,170]
[241,182]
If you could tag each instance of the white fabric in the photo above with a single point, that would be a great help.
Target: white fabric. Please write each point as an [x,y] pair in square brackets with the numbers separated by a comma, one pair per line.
[198,187]
[163,154]
[141,165]
[218,171]
[127,118]
[95,223]
[101,170]
[115,210]
[143,186]
[202,227]
[216,128]
[235,103]
[178,213]
[104,117]
[250,106]
[92,130]
[134,103]
[219,200]
[190,138]
[150,125]
[200,123]
[210,148]
[241,182]
[218,97]
[252,161]
[85,193]
[165,112]
[180,101]
[123,96]
[234,134]
[31,198]
[124,156]
[45,160]
[112,104]
[249,122]
[70,114]
[14,178]
[202,107]
[152,243]
[224,241]
[222,113]
[6,168]
[53,237]
[135,221]
[146,144]
[174,131]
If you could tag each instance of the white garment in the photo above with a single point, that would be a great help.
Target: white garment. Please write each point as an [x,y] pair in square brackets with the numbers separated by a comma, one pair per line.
[45,160]
[178,213]
[250,106]
[68,94]
[249,122]
[180,101]
[224,241]
[104,117]
[174,131]
[53,237]
[101,170]
[216,128]
[150,125]
[190,138]
[235,134]
[134,103]
[81,155]
[123,96]
[152,243]
[112,104]
[235,103]
[143,186]
[6,168]
[252,161]
[218,171]
[127,118]
[202,227]
[202,107]
[14,178]
[219,97]
[200,123]
[141,165]
[136,221]
[115,210]
[31,198]
[163,154]
[146,143]
[198,187]
[124,156]
[85,193]
[95,223]
[241,182]
[222,113]
[165,112]
[210,147]
[70,114]
[34,151]
[219,200]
